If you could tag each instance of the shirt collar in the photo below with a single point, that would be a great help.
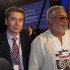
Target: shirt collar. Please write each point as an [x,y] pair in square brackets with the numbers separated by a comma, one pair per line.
[10,37]
[52,36]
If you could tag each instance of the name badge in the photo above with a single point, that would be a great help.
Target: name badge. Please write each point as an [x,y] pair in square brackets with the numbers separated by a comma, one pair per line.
[63,60]
[16,66]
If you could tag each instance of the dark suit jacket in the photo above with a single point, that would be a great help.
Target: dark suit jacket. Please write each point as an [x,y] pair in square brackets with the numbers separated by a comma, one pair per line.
[5,49]
[32,36]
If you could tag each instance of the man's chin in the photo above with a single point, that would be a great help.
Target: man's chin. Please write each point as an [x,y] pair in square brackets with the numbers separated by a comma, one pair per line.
[16,32]
[63,31]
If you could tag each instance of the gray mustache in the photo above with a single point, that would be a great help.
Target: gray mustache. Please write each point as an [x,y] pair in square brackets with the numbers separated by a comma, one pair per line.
[64,23]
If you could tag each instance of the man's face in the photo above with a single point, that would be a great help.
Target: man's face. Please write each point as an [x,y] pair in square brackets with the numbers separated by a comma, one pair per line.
[15,22]
[59,21]
[29,29]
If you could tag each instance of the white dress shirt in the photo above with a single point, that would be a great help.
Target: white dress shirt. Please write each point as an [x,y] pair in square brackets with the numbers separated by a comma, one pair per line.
[43,48]
[57,44]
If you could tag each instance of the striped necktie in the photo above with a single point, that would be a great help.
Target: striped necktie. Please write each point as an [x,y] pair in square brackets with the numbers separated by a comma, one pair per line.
[15,53]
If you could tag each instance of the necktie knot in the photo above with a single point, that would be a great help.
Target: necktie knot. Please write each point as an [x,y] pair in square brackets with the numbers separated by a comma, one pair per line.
[14,39]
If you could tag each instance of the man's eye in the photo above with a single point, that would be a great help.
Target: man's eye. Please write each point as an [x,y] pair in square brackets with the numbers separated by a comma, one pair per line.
[12,18]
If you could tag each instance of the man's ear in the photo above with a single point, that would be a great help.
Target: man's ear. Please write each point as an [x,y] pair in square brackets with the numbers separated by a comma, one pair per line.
[6,20]
[49,21]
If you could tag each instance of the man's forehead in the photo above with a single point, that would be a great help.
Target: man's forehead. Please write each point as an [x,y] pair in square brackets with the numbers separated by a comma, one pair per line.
[16,15]
[60,12]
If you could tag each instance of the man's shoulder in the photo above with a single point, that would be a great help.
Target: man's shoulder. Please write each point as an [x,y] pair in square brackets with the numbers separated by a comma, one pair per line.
[68,31]
[3,36]
[25,38]
[42,36]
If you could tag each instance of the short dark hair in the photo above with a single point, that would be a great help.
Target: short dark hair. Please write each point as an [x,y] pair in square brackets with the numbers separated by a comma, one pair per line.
[13,9]
[30,26]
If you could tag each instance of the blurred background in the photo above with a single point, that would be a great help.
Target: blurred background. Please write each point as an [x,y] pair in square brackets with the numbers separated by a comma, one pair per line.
[35,12]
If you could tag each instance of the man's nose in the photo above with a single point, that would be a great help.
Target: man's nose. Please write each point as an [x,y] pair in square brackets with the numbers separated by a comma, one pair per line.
[17,22]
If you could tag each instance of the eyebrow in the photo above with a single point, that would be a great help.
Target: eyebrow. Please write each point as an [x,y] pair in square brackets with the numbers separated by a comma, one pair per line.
[15,17]
[61,15]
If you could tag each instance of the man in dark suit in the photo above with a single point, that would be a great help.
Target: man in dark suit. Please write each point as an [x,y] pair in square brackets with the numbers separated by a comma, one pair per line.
[31,34]
[14,46]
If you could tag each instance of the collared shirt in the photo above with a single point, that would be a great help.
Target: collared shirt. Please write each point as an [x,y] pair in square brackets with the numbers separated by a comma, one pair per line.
[57,44]
[62,50]
[43,48]
[10,41]
[30,33]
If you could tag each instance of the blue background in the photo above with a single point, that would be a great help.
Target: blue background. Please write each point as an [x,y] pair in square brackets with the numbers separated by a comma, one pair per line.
[32,13]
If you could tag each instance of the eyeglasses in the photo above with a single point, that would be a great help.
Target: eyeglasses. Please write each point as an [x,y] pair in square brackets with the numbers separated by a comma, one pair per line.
[63,18]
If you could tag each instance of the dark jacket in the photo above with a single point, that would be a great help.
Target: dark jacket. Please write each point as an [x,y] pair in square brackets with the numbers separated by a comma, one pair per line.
[5,49]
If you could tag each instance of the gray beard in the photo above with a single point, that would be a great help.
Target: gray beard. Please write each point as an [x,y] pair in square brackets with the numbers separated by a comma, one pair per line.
[61,30]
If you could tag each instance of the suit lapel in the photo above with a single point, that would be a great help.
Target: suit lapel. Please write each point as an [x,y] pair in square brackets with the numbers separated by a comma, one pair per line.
[6,48]
[25,44]
[23,49]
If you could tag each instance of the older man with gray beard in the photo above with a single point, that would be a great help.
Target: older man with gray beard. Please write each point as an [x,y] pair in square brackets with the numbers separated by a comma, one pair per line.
[51,49]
